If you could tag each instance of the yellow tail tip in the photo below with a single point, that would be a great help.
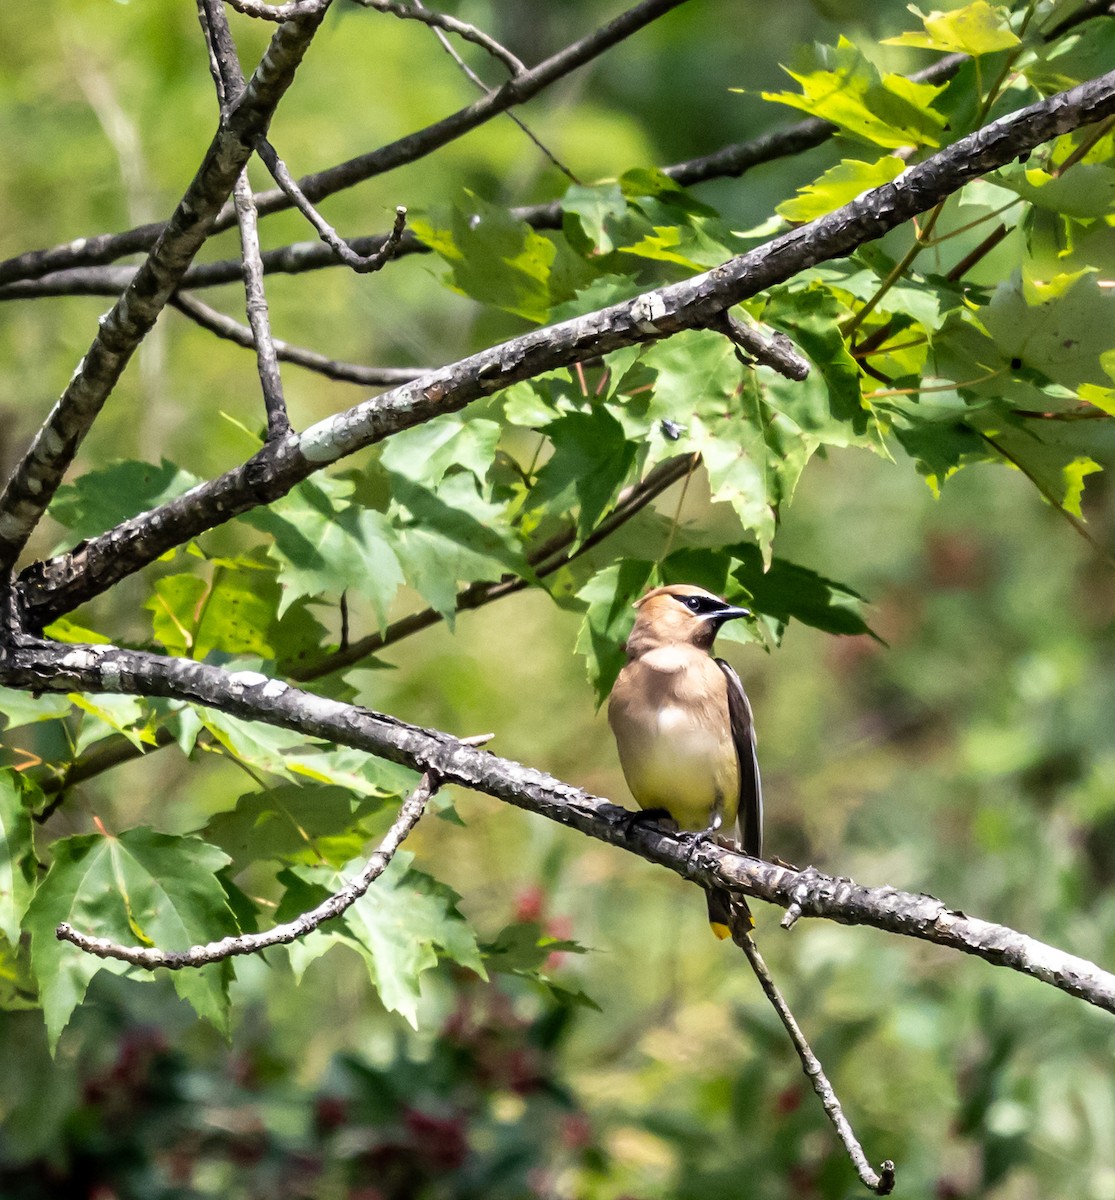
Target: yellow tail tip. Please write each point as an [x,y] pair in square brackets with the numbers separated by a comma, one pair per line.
[720,930]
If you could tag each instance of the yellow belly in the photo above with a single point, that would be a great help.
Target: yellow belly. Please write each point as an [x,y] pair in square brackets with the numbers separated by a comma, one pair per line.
[684,768]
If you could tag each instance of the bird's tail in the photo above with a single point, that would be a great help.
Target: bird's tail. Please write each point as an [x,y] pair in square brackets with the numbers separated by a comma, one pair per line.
[726,911]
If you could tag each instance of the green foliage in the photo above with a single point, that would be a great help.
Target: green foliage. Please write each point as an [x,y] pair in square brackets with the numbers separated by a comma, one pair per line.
[141,887]
[102,498]
[17,797]
[399,927]
[947,733]
[975,29]
[840,84]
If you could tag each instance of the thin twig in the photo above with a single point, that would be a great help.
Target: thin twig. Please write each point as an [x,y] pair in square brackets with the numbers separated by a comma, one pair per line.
[151,957]
[1053,499]
[1086,146]
[279,12]
[225,327]
[228,77]
[363,264]
[977,253]
[470,74]
[881,1183]
[267,363]
[440,21]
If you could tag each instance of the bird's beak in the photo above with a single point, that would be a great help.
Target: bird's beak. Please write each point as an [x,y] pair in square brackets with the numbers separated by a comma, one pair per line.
[730,612]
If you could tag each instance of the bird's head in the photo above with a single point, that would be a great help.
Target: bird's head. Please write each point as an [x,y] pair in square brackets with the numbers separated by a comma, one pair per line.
[677,615]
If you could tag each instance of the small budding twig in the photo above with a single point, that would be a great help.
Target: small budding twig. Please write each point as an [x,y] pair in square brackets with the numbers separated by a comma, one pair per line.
[881,1182]
[251,943]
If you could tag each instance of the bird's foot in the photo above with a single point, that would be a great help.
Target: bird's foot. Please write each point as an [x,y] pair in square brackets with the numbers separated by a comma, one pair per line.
[647,816]
[697,838]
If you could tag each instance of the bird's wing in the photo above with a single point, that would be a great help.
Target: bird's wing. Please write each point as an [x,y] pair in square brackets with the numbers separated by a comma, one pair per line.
[750,785]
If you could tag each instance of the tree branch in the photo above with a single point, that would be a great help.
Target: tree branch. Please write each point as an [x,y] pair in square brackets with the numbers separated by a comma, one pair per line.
[776,351]
[152,957]
[278,12]
[417,145]
[229,81]
[49,589]
[442,21]
[362,264]
[50,667]
[882,1183]
[35,478]
[225,327]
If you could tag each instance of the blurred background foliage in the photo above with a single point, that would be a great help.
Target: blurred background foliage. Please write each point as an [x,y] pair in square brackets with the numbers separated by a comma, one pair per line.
[970,753]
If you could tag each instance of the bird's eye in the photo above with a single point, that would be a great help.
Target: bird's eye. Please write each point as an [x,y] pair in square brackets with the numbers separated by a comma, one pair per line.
[693,604]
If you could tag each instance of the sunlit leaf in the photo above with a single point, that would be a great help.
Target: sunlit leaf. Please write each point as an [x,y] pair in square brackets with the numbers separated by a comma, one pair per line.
[844,182]
[977,28]
[400,927]
[839,84]
[141,888]
[325,544]
[18,797]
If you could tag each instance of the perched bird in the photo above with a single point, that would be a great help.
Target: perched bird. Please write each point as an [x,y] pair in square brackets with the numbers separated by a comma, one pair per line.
[683,724]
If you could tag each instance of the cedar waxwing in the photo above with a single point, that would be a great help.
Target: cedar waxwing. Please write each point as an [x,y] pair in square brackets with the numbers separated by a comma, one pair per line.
[683,724]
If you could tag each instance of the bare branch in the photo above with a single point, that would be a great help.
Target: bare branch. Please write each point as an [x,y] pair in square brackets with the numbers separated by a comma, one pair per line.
[225,327]
[882,1184]
[33,482]
[279,12]
[470,74]
[406,150]
[514,92]
[267,363]
[437,20]
[229,80]
[68,269]
[362,264]
[49,589]
[151,957]
[776,352]
[50,667]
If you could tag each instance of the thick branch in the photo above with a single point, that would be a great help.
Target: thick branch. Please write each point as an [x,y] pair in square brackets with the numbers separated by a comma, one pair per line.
[121,330]
[50,667]
[53,588]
